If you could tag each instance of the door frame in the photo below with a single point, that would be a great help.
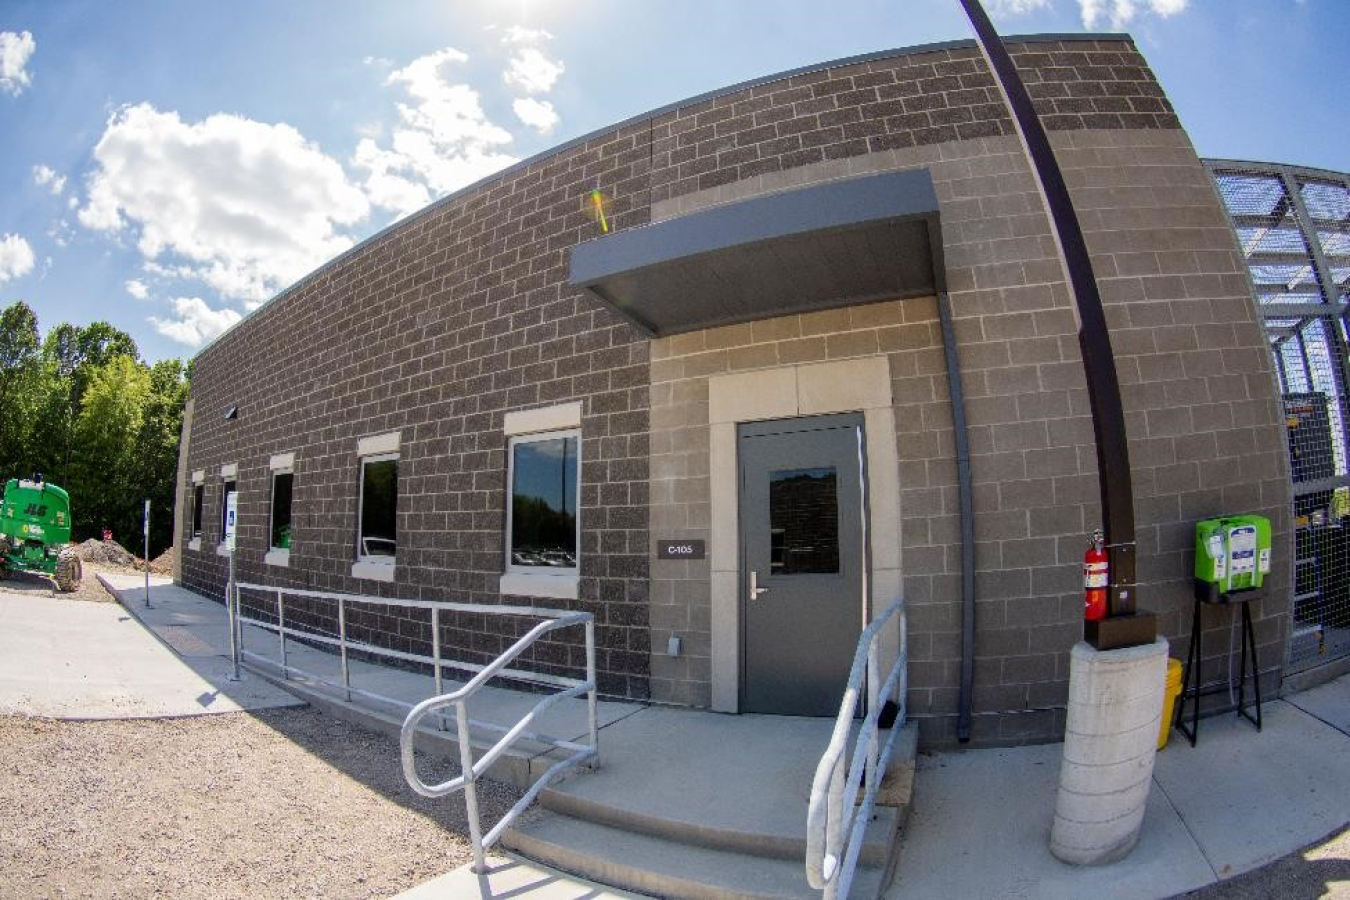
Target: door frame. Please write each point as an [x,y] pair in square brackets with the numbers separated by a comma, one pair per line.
[856,425]
[853,385]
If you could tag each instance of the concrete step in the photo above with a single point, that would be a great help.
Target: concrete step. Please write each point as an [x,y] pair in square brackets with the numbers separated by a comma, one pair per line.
[639,862]
[719,825]
[777,839]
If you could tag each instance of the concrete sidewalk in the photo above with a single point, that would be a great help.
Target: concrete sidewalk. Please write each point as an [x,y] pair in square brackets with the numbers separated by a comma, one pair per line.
[1238,800]
[981,818]
[74,659]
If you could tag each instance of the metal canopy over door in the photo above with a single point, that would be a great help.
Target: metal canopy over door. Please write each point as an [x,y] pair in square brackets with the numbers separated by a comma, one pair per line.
[803,569]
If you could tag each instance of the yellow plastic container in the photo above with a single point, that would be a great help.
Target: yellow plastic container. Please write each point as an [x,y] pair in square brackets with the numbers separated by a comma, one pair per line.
[1170,696]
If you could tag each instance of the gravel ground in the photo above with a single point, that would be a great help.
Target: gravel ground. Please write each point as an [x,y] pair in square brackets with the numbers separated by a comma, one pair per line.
[282,803]
[1321,870]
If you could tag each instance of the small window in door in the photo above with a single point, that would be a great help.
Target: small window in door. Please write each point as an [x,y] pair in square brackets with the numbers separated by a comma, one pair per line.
[804,521]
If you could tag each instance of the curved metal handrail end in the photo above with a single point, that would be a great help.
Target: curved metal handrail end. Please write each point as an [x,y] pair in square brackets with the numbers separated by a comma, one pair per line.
[825,792]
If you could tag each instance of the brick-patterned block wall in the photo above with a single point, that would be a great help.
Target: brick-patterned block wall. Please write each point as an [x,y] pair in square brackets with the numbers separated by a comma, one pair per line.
[1204,430]
[443,324]
[895,102]
[435,330]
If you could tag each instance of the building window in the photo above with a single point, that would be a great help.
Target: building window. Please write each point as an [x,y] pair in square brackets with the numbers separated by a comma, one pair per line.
[281,509]
[377,508]
[378,538]
[198,501]
[543,529]
[282,467]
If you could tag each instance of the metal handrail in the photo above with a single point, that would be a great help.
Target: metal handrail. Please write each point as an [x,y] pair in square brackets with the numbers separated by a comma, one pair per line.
[470,770]
[831,851]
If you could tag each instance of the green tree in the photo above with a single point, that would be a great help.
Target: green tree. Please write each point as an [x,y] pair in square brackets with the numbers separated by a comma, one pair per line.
[20,383]
[112,414]
[81,408]
[154,467]
[72,354]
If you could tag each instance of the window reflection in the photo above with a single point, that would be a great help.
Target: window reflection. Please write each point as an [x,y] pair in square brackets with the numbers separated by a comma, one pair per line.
[544,503]
[803,521]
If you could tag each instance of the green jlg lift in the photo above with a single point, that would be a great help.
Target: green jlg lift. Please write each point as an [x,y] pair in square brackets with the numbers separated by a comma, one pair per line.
[35,531]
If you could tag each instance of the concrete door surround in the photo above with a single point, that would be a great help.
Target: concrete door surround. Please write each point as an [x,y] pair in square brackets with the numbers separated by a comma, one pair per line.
[853,385]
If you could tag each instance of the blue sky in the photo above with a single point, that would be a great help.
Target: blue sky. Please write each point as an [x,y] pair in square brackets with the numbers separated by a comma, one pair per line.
[168,165]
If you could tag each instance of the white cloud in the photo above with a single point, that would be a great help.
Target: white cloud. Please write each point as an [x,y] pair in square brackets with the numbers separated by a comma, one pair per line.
[16,257]
[385,188]
[137,289]
[244,206]
[60,232]
[15,51]
[1016,7]
[538,114]
[1096,13]
[44,176]
[1122,12]
[528,70]
[442,141]
[196,323]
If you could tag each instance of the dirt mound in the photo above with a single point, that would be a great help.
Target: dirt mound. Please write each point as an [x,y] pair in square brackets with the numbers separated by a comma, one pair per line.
[163,564]
[107,552]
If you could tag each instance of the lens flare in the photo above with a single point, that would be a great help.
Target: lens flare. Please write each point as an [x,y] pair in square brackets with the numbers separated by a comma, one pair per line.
[597,204]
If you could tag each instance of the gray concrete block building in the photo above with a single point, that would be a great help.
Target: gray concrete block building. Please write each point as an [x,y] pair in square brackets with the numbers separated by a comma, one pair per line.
[723,421]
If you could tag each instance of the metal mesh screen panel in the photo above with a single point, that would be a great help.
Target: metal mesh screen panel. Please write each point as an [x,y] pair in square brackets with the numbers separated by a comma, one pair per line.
[1294,230]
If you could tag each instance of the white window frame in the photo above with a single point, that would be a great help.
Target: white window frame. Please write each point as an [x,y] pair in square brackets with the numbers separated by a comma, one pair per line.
[228,473]
[281,464]
[540,581]
[371,566]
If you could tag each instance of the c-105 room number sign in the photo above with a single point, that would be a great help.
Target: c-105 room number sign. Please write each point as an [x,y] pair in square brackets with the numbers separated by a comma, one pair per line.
[679,549]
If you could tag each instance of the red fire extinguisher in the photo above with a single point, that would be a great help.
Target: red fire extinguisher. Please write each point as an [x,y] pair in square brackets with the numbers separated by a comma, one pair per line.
[1095,579]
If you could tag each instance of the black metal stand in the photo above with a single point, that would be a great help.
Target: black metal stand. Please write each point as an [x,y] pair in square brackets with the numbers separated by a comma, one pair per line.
[1205,593]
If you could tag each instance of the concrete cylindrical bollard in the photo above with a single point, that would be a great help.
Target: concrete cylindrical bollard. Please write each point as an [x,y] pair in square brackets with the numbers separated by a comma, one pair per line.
[1110,741]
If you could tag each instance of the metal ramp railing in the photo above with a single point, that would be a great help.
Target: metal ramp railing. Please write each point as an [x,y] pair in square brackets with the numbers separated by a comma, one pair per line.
[470,769]
[834,840]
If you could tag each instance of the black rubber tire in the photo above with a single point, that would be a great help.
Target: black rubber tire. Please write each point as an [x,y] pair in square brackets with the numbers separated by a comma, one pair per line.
[69,571]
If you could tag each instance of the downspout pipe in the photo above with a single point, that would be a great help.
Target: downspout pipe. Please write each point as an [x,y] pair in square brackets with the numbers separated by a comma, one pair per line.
[963,482]
[1099,364]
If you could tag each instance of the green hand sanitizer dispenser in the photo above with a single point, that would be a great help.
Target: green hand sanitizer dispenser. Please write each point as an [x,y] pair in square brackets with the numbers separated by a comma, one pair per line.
[1232,554]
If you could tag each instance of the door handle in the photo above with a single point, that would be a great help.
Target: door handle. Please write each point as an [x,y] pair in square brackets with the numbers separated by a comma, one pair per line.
[755,589]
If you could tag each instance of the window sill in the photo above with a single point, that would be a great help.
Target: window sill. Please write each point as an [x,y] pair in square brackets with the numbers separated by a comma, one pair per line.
[530,584]
[373,571]
[222,549]
[195,544]
[277,557]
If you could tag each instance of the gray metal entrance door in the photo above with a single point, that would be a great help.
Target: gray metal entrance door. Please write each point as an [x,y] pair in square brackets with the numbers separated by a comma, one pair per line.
[802,565]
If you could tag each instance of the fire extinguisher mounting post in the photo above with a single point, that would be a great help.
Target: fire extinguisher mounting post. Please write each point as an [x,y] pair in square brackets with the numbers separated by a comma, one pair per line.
[1099,367]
